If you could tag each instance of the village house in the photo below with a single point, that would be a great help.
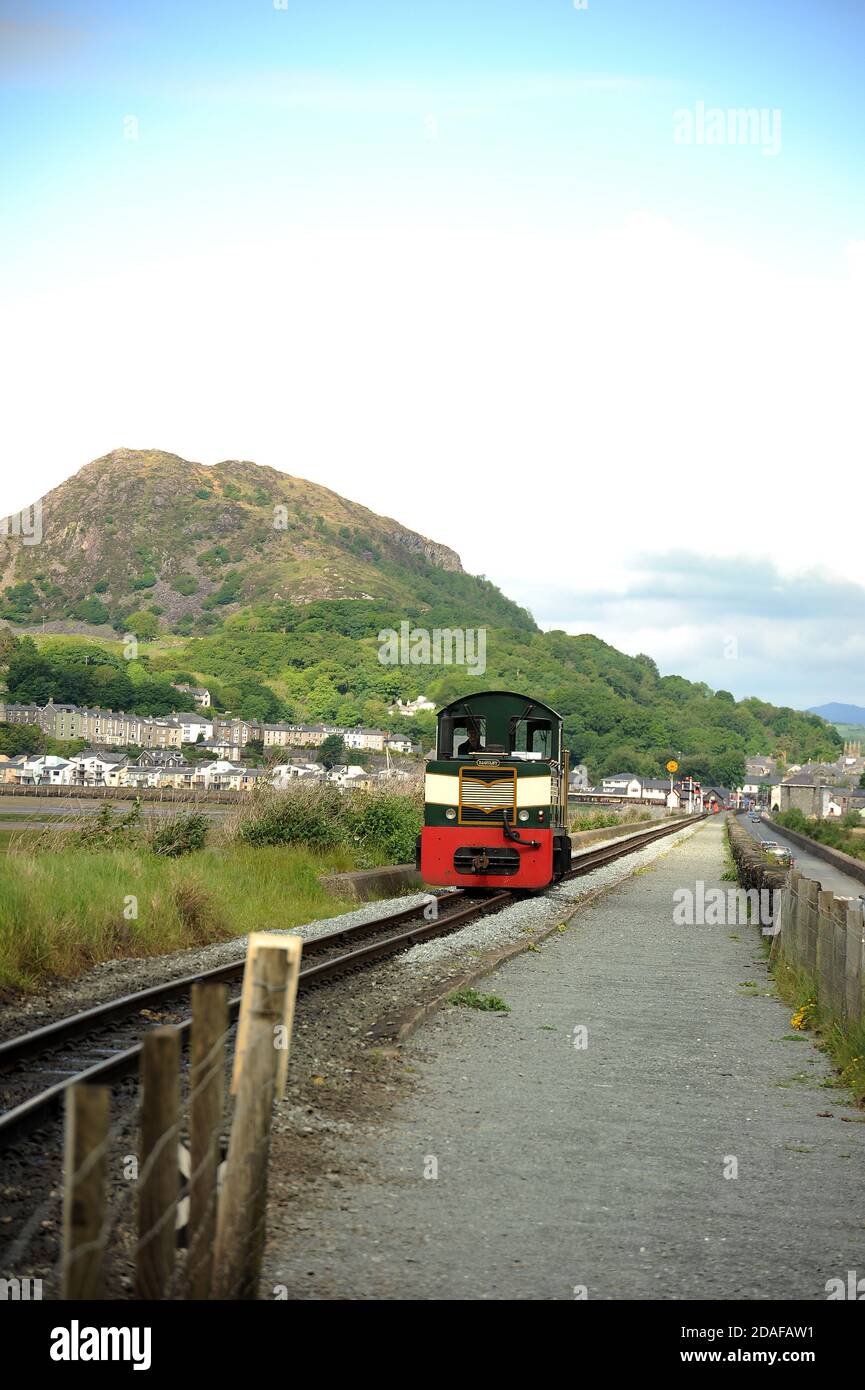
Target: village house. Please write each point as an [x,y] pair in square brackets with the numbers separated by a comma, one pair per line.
[44,770]
[11,769]
[372,739]
[411,707]
[396,744]
[344,773]
[200,695]
[95,768]
[194,727]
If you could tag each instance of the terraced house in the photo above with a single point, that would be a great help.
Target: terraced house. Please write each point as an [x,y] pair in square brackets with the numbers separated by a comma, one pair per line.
[227,735]
[97,725]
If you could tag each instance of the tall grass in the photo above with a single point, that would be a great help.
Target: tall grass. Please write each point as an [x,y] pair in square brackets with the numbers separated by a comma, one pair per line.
[90,888]
[600,820]
[63,912]
[379,826]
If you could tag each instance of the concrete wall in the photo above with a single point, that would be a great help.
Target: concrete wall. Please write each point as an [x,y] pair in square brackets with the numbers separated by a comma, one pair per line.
[814,932]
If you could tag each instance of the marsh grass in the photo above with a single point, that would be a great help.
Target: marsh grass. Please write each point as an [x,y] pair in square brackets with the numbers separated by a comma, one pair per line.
[86,888]
[62,912]
[377,825]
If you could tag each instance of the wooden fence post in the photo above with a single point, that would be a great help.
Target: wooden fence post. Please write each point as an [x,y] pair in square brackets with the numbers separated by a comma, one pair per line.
[207,1090]
[159,1174]
[839,957]
[243,1200]
[825,950]
[85,1167]
[795,948]
[807,924]
[855,964]
[781,939]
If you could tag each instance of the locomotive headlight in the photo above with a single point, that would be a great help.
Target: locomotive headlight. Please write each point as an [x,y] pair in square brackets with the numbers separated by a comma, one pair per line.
[450,813]
[522,815]
[540,815]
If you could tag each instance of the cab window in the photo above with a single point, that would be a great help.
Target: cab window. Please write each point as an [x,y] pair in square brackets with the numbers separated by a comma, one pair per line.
[532,738]
[459,737]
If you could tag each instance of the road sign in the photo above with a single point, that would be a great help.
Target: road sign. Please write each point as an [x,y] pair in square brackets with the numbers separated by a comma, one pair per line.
[672,765]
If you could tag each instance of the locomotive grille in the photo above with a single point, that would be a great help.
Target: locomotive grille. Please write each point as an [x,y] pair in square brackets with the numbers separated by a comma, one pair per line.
[485,793]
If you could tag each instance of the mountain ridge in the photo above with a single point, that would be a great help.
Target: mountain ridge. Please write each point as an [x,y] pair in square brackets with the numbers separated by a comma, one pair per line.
[837,713]
[148,529]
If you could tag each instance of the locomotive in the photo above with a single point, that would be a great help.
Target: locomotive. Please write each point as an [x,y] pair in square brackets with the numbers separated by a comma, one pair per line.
[496,795]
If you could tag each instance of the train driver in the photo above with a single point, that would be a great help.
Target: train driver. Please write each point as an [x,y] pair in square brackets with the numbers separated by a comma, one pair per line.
[472,744]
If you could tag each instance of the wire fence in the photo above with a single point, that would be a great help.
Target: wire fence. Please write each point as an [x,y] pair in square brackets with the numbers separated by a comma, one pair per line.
[199,1214]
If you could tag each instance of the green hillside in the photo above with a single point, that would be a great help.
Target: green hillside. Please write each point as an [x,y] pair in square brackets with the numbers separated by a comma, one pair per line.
[284,623]
[146,541]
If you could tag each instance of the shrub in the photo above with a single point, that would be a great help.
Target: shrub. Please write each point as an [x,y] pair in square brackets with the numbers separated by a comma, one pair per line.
[301,816]
[185,584]
[384,824]
[105,830]
[181,834]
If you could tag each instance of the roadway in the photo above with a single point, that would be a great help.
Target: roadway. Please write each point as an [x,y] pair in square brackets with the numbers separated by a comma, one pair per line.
[841,884]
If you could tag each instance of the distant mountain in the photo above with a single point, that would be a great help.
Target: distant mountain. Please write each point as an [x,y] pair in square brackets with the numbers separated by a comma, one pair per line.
[271,591]
[840,714]
[190,545]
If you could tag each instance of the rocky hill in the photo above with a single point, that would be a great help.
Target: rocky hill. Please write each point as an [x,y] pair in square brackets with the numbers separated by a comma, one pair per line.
[145,531]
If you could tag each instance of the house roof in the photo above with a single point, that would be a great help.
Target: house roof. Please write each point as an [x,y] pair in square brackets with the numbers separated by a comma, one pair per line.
[101,755]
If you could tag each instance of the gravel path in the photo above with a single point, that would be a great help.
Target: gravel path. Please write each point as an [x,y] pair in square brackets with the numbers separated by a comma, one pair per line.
[601,1167]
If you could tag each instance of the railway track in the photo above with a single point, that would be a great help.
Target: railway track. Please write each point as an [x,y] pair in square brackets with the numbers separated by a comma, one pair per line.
[53,1047]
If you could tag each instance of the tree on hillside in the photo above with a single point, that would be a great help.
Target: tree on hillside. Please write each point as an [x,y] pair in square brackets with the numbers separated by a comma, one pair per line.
[8,644]
[16,739]
[143,624]
[332,751]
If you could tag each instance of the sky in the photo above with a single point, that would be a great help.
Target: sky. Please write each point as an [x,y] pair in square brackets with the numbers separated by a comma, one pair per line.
[514,272]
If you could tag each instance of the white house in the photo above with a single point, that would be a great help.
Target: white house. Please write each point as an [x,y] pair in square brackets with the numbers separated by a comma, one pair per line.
[200,695]
[45,770]
[398,744]
[621,784]
[344,773]
[192,726]
[364,738]
[283,774]
[219,776]
[412,706]
[96,769]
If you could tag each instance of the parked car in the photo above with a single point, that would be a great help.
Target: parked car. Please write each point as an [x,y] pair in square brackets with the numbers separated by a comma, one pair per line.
[783,855]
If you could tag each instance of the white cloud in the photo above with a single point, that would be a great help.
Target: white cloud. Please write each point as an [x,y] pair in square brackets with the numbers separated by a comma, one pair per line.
[644,388]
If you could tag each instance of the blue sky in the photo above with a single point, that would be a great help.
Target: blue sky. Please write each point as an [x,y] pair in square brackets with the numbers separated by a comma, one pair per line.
[380,244]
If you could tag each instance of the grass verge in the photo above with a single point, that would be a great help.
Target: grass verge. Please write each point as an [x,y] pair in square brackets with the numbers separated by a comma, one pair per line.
[844,1048]
[62,912]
